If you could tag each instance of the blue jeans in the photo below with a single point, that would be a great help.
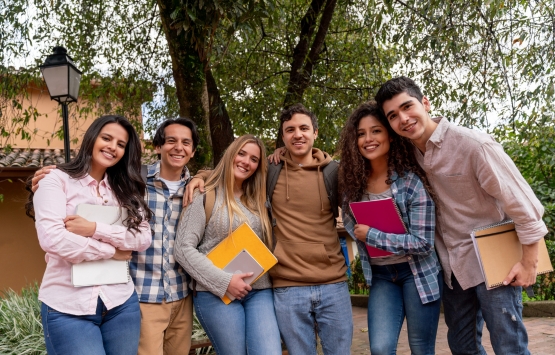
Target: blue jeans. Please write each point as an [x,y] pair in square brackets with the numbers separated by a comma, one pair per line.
[244,326]
[106,332]
[393,296]
[500,308]
[303,310]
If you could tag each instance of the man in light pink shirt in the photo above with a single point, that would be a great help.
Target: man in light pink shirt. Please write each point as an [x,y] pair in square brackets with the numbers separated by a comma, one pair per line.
[476,184]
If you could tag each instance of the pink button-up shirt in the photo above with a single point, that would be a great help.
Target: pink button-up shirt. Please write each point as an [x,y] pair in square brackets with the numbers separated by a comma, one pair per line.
[57,197]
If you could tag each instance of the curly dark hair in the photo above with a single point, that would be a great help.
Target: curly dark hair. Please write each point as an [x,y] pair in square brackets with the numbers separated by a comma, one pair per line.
[354,169]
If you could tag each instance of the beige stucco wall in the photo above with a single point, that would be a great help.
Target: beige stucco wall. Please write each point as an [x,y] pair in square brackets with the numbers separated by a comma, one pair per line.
[50,121]
[21,258]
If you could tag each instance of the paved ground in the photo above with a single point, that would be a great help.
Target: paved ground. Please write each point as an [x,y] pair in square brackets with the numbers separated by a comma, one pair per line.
[541,333]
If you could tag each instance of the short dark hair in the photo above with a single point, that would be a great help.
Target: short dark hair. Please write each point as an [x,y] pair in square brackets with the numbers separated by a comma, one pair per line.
[160,135]
[397,86]
[287,114]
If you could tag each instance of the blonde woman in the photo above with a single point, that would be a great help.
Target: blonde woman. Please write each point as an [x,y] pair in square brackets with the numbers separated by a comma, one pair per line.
[248,324]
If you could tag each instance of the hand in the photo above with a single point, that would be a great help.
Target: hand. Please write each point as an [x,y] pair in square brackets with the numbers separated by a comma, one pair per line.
[80,226]
[275,156]
[524,273]
[39,175]
[122,254]
[190,190]
[237,286]
[361,231]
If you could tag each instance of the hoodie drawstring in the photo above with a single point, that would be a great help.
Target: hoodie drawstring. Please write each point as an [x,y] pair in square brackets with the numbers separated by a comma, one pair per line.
[320,191]
[286,181]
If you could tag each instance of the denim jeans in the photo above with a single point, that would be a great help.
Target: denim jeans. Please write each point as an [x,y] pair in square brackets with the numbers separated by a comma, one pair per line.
[393,295]
[500,308]
[113,332]
[244,326]
[303,310]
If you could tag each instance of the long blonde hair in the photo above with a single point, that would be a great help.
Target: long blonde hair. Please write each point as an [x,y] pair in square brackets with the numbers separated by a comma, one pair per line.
[254,188]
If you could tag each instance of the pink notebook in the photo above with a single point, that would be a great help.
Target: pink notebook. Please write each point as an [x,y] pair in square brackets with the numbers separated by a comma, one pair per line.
[380,214]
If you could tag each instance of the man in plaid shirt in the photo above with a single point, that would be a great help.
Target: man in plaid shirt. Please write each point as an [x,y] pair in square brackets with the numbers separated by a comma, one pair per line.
[161,283]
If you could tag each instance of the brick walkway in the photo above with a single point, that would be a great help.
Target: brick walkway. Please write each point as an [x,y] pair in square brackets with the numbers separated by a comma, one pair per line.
[541,333]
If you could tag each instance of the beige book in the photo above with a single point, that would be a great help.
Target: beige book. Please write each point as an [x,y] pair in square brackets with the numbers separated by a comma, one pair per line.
[499,249]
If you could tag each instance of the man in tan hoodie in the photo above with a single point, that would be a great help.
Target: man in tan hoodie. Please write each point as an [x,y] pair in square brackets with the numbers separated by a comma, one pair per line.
[310,283]
[310,288]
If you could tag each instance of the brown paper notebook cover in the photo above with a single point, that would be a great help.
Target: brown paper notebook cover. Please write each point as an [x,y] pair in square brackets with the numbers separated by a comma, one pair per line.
[499,249]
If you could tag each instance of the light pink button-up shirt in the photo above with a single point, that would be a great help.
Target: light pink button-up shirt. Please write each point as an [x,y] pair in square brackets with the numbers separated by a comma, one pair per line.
[56,198]
[477,184]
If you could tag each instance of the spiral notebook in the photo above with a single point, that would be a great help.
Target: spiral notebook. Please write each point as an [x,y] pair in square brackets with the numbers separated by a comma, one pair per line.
[106,271]
[384,215]
[498,249]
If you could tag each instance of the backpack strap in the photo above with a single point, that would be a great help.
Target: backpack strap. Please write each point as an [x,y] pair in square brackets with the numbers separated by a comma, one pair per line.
[330,180]
[209,200]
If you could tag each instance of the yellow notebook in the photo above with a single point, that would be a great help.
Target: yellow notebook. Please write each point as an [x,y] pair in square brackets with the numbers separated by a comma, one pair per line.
[499,249]
[242,238]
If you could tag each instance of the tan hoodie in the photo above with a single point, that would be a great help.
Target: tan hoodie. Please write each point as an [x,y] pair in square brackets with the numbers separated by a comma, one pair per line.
[307,249]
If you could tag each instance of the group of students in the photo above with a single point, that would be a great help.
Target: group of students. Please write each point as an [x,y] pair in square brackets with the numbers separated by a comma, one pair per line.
[446,180]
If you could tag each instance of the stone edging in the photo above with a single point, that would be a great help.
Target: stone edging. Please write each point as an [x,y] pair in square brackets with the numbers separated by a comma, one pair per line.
[530,309]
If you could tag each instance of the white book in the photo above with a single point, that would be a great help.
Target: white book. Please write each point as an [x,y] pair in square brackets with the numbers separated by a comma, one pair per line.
[106,271]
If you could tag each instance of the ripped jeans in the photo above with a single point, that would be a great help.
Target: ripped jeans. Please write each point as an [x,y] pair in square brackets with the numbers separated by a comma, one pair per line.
[500,308]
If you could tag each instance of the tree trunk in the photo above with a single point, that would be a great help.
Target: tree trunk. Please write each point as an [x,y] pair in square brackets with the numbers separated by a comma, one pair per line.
[189,76]
[221,131]
[307,54]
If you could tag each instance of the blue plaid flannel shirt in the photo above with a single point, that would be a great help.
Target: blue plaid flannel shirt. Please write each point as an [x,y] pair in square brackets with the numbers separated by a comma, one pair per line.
[156,274]
[418,213]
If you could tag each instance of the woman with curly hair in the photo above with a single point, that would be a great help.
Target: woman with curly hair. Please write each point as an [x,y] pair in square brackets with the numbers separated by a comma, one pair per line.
[376,163]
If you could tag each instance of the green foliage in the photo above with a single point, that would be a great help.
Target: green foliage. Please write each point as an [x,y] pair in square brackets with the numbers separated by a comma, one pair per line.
[544,289]
[20,323]
[357,282]
[532,147]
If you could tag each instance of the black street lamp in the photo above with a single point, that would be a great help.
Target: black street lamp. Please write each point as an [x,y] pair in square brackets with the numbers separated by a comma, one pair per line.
[62,80]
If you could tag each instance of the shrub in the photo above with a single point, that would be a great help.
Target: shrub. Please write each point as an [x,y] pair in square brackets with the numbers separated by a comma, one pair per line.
[357,283]
[20,323]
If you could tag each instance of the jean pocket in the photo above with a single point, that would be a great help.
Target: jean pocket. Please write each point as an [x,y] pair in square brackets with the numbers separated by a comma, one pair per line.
[281,290]
[51,310]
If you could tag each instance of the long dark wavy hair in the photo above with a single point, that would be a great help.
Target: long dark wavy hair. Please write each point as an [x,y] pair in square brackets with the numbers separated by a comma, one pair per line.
[354,169]
[124,177]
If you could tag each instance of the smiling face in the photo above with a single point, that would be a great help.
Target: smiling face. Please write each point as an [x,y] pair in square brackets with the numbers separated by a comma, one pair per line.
[246,162]
[409,117]
[176,151]
[372,139]
[299,136]
[109,148]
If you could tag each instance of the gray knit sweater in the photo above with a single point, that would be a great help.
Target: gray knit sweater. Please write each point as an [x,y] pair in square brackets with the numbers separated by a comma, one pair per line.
[193,241]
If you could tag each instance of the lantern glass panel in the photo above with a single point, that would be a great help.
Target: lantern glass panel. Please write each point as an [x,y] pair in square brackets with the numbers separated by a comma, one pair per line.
[56,80]
[74,81]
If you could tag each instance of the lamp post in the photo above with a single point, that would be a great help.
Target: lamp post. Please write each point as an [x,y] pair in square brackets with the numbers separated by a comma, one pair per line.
[62,80]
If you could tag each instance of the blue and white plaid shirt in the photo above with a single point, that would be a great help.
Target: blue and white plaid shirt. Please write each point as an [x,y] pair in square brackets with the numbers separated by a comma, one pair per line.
[156,274]
[418,213]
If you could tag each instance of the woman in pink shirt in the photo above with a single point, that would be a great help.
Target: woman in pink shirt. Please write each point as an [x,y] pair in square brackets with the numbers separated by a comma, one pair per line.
[101,319]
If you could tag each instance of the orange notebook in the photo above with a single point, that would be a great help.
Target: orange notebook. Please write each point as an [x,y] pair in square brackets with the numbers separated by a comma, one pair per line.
[242,238]
[498,249]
